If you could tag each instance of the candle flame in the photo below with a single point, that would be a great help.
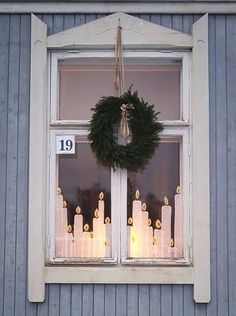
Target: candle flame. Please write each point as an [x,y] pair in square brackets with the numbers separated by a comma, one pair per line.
[86,227]
[101,196]
[178,189]
[78,210]
[58,191]
[149,222]
[166,201]
[137,194]
[130,221]
[158,224]
[69,229]
[91,235]
[106,243]
[107,220]
[64,204]
[144,206]
[133,238]
[96,213]
[171,243]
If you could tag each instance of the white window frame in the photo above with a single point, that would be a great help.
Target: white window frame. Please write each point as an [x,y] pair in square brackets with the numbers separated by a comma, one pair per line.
[178,127]
[141,35]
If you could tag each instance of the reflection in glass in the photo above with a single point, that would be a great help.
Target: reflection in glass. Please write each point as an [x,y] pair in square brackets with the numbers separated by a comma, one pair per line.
[154,214]
[81,86]
[83,210]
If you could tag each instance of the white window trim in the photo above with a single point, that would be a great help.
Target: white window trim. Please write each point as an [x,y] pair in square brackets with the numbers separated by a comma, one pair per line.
[158,38]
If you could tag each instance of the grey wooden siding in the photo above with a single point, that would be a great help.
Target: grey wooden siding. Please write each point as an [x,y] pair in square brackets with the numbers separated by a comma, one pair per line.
[117,300]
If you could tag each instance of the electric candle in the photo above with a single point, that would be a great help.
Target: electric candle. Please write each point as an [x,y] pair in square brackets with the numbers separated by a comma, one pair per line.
[59,236]
[78,222]
[78,230]
[99,229]
[171,248]
[108,239]
[158,234]
[144,234]
[69,243]
[60,224]
[178,228]
[166,225]
[136,236]
[87,243]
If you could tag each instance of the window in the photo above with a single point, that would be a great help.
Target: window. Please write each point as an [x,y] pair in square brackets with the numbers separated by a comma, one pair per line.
[71,200]
[145,225]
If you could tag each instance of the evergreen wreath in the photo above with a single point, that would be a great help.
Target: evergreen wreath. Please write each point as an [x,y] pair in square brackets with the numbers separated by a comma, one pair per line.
[144,126]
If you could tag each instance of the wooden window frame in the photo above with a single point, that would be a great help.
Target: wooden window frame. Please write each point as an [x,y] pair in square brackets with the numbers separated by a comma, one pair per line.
[178,127]
[158,38]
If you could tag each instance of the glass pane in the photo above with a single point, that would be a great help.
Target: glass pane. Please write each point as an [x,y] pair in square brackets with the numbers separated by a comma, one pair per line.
[81,86]
[154,216]
[83,210]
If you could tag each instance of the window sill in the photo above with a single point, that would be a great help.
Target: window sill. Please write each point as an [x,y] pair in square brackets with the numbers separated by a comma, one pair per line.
[120,275]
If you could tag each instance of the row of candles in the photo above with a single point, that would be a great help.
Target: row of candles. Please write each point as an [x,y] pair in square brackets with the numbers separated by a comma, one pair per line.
[79,241]
[143,240]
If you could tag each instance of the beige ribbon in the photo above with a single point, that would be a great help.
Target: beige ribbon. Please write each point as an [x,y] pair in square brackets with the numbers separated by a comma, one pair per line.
[119,82]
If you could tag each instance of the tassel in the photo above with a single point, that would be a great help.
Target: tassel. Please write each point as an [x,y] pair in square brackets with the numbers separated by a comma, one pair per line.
[124,126]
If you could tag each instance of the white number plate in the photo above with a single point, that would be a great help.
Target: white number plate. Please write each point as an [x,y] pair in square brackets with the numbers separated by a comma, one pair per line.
[65,144]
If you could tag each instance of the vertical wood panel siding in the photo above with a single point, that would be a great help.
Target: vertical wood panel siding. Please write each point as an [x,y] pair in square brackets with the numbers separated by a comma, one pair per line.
[231,159]
[119,300]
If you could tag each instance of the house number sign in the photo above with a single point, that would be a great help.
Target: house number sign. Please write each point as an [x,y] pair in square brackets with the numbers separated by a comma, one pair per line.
[65,144]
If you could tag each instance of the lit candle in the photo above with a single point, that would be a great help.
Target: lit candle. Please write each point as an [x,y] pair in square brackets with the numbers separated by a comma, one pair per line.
[144,233]
[129,239]
[137,226]
[178,228]
[87,243]
[99,229]
[101,205]
[69,243]
[78,230]
[166,225]
[108,240]
[158,235]
[171,249]
[97,226]
[78,222]
[60,224]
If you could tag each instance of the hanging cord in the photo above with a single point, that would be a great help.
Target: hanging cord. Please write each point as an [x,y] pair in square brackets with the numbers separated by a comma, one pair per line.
[119,71]
[119,82]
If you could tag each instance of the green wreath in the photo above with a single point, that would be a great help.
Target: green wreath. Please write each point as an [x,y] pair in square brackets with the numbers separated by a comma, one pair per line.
[144,126]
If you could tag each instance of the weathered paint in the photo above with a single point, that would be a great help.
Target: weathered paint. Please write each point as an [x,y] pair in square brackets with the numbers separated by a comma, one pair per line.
[166,300]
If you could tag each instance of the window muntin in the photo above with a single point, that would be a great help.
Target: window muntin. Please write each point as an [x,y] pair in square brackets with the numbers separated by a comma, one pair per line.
[177,128]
